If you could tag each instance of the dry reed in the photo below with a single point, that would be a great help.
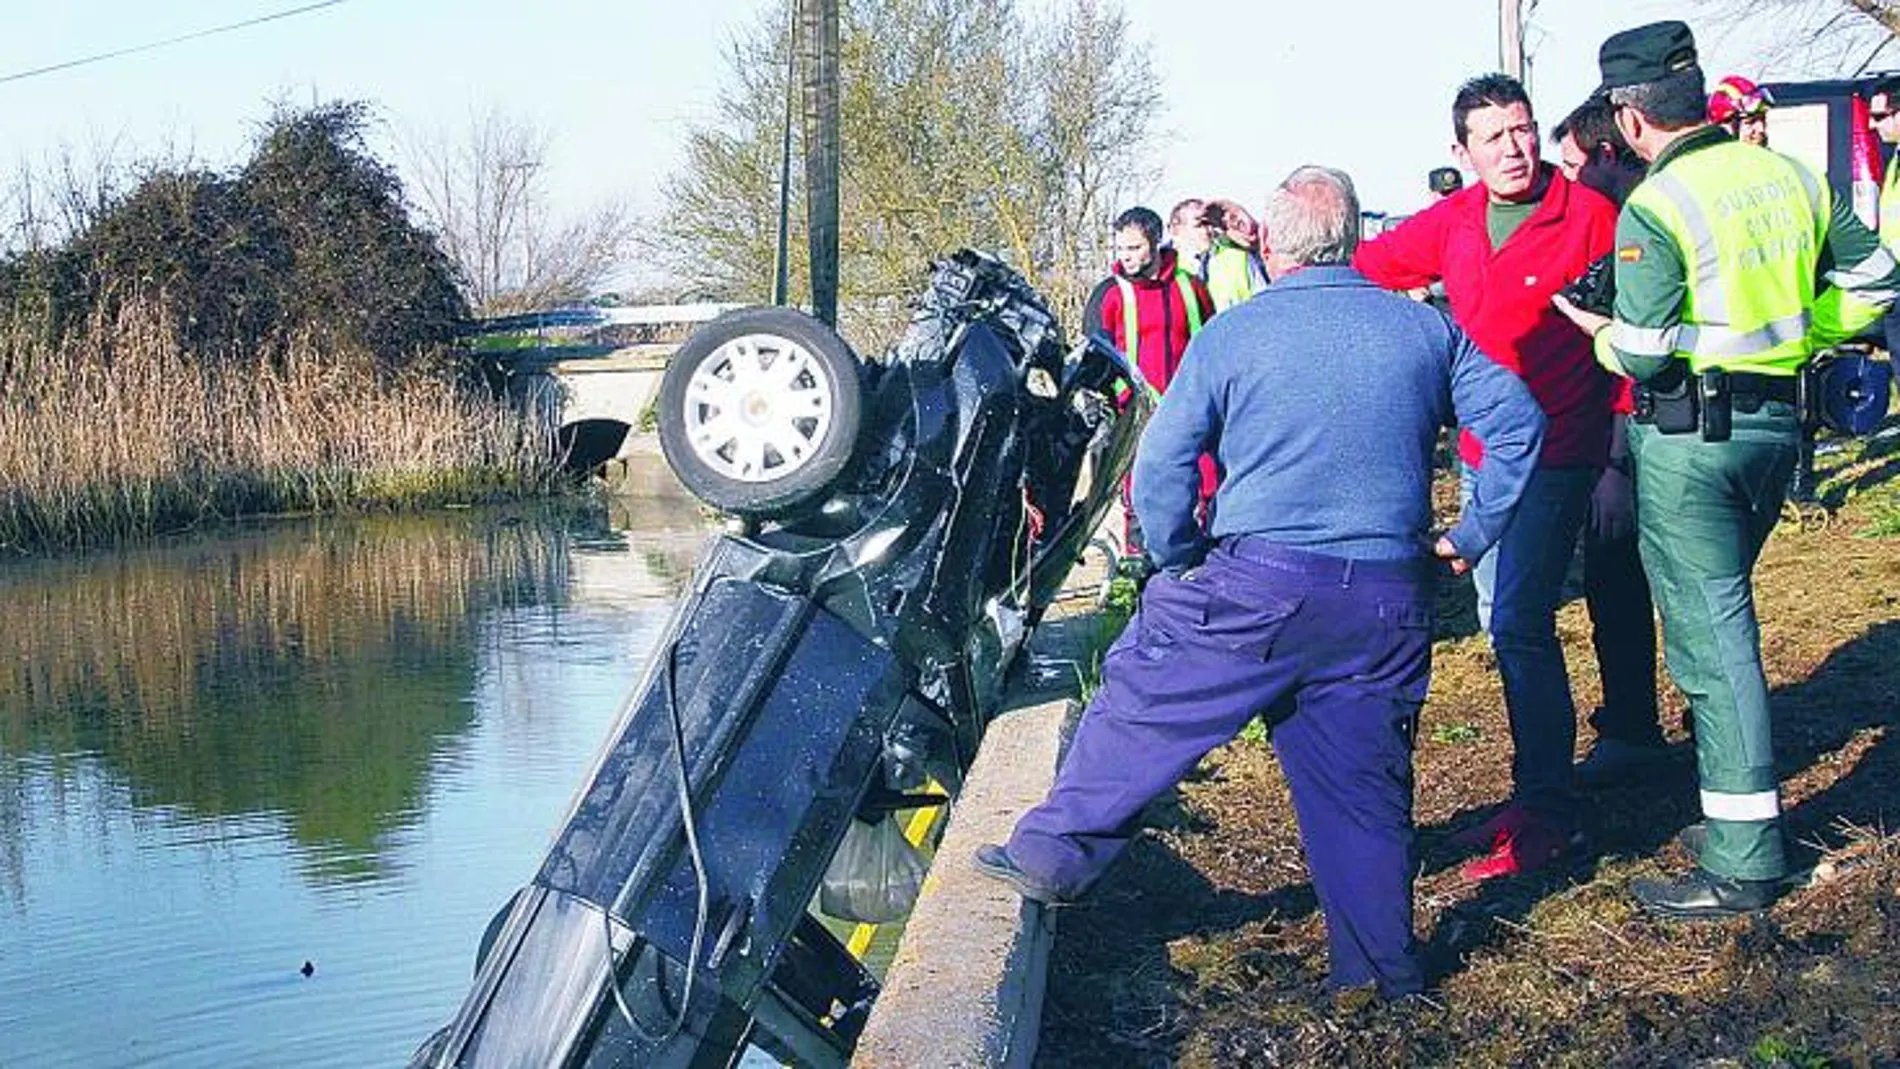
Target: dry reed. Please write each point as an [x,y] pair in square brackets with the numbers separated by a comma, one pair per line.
[117,432]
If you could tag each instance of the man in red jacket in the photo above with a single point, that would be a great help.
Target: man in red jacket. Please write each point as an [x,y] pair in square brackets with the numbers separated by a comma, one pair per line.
[1502,247]
[1157,303]
[1155,306]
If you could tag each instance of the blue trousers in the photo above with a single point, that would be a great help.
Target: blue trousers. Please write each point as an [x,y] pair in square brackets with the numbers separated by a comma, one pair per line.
[1520,582]
[1337,655]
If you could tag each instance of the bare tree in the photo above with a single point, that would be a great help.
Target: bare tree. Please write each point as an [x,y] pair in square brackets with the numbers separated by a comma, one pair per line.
[1818,37]
[47,204]
[962,124]
[483,191]
[1094,140]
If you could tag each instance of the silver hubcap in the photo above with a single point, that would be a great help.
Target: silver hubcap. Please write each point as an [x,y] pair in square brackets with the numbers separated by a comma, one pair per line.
[757,407]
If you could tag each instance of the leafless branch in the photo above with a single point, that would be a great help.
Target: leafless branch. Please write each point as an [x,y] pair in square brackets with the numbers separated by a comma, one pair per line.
[483,191]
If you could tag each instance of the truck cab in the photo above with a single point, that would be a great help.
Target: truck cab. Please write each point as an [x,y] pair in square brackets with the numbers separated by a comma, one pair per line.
[1824,125]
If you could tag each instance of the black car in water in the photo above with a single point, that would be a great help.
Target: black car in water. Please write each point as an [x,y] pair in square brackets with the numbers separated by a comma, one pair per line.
[903,524]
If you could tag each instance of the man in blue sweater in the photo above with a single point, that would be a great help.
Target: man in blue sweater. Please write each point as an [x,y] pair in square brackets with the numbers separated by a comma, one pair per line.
[1309,599]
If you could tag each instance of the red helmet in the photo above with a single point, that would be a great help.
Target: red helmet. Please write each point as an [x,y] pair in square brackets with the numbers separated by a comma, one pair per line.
[1736,97]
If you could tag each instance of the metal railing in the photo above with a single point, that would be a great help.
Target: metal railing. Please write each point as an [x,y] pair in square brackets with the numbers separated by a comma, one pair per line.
[585,331]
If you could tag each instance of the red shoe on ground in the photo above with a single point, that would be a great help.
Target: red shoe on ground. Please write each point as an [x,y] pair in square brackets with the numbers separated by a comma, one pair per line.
[1518,842]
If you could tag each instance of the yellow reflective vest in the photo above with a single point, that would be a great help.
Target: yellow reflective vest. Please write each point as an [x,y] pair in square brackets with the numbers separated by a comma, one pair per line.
[1749,225]
[1229,275]
[1131,322]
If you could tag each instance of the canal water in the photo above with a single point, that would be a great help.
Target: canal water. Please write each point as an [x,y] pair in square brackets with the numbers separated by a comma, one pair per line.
[341,743]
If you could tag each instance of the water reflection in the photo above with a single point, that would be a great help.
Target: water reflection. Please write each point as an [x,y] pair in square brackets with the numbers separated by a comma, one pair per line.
[339,741]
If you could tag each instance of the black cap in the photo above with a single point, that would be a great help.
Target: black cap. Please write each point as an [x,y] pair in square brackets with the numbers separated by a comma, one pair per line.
[1646,54]
[1445,180]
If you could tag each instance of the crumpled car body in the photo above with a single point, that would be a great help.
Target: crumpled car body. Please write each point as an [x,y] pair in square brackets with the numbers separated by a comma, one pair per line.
[839,648]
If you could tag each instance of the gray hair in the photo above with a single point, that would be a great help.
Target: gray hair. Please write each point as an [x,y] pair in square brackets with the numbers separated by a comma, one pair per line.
[1313,218]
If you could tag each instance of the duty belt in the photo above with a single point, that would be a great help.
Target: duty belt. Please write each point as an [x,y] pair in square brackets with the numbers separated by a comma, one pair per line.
[1750,392]
[1682,401]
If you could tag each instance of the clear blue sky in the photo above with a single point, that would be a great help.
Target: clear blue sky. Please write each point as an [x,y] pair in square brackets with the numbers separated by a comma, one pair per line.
[1251,89]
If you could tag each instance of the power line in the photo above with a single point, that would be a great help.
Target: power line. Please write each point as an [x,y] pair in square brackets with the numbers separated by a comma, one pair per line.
[150,45]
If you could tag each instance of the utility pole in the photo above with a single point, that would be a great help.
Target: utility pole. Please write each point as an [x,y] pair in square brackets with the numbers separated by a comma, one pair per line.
[820,48]
[782,257]
[1511,38]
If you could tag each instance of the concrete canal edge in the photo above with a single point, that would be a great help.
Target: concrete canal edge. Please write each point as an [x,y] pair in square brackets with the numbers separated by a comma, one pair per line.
[965,988]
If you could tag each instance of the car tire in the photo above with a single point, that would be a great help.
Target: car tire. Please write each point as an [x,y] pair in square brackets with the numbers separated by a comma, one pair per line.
[759,411]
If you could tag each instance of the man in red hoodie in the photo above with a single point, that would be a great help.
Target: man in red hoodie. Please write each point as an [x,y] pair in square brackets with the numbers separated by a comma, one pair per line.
[1502,248]
[1154,307]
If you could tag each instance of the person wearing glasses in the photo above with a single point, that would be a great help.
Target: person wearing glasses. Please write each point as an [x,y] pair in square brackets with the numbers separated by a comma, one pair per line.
[1741,107]
[1734,265]
[1503,247]
[1883,114]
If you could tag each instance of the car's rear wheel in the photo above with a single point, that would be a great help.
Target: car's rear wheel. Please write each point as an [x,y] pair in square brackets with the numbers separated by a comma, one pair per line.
[759,411]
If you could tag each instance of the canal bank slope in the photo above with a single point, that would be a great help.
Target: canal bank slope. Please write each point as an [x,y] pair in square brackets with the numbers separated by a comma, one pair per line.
[1204,946]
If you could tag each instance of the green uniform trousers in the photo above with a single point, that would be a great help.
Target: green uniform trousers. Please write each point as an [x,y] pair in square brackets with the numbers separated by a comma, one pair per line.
[1703,512]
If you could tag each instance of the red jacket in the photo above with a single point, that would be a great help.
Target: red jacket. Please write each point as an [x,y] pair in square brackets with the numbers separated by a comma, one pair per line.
[1160,317]
[1502,299]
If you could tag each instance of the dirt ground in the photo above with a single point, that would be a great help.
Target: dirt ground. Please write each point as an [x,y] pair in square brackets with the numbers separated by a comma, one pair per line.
[1204,947]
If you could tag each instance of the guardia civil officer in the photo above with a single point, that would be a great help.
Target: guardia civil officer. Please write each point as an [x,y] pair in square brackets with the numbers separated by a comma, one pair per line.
[1734,264]
[1309,599]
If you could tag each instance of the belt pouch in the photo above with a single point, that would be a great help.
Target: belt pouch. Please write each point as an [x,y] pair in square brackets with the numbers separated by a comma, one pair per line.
[1671,402]
[1717,410]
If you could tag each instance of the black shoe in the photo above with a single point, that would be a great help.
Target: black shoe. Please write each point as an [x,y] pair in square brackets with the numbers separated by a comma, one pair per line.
[1615,761]
[1702,894]
[994,861]
[1804,490]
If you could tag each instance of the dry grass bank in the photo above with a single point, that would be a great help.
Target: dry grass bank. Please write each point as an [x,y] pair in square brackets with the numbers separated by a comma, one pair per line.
[118,433]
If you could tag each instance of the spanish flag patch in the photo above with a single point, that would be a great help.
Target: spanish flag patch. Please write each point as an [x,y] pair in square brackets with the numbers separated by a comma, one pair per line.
[1630,254]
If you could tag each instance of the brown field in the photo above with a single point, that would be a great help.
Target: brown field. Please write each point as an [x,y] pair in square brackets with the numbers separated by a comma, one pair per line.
[1204,947]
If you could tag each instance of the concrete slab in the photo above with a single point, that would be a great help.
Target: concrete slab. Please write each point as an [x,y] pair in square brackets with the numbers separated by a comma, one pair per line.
[965,989]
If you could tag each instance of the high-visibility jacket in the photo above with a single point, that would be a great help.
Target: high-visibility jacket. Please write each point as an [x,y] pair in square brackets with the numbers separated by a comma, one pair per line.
[1230,275]
[1153,317]
[1131,319]
[1718,255]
